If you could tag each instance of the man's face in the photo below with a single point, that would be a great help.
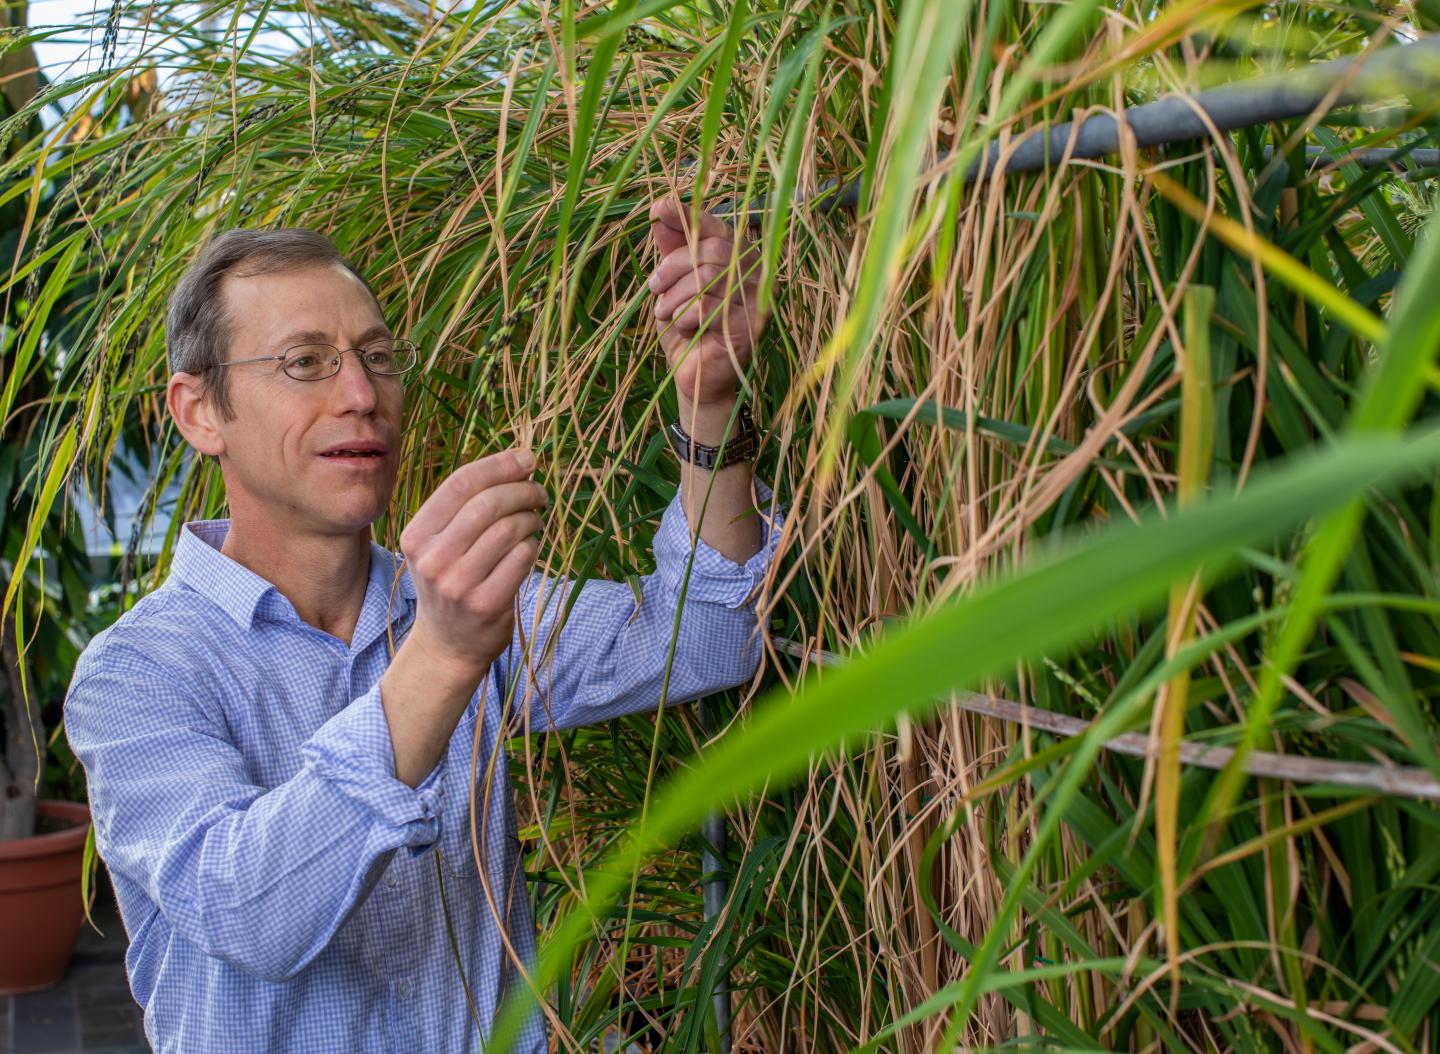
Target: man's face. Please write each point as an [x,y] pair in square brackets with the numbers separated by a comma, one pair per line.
[275,458]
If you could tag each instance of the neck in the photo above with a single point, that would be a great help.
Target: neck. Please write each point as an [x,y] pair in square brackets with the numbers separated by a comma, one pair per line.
[322,575]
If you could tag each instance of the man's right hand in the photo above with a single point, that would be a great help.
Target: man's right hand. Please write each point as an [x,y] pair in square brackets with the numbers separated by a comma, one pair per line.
[469,548]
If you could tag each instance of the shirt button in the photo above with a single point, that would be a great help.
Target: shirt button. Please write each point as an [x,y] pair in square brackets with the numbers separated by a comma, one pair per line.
[404,989]
[391,881]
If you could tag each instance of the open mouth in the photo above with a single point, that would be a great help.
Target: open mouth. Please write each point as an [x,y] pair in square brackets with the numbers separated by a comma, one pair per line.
[352,453]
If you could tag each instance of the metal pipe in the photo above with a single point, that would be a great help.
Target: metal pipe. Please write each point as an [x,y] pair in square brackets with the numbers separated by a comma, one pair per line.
[1412,69]
[1401,159]
[716,888]
[1393,780]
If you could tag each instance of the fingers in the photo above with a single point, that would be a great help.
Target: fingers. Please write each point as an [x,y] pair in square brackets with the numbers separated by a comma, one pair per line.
[670,223]
[499,540]
[672,213]
[458,488]
[707,283]
[711,315]
[473,520]
[709,252]
[514,567]
[502,584]
[470,552]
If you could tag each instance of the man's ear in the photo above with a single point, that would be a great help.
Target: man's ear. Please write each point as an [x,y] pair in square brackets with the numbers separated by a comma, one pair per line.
[195,414]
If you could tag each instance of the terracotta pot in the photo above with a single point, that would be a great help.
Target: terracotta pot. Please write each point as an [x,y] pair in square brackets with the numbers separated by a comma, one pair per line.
[40,907]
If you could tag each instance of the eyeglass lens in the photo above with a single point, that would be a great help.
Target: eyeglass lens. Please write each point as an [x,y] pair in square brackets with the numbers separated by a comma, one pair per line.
[314,362]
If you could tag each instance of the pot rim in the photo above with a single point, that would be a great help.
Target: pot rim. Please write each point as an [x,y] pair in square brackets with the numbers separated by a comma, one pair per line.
[68,840]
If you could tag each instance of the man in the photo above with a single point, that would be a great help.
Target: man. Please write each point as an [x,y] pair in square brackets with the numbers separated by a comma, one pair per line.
[279,740]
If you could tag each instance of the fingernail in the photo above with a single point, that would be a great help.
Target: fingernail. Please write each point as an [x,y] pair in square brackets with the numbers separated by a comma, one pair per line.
[526,459]
[653,282]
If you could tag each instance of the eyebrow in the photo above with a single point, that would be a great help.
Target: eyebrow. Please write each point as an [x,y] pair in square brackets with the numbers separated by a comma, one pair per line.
[315,336]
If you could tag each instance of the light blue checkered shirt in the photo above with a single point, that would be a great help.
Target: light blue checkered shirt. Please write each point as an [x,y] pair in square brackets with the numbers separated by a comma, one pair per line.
[276,881]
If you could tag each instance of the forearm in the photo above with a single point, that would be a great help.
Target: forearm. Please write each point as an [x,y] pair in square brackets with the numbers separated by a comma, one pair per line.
[724,525]
[424,697]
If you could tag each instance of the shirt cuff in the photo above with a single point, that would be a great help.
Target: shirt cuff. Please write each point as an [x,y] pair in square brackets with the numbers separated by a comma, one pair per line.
[714,577]
[353,751]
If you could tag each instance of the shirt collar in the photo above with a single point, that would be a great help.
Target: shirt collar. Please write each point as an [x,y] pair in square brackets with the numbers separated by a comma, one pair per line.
[241,593]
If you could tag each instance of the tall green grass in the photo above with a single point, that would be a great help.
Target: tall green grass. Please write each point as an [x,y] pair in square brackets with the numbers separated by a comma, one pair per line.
[1010,420]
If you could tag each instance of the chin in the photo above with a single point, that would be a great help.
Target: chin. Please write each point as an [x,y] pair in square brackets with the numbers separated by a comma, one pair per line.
[348,518]
[354,522]
[356,510]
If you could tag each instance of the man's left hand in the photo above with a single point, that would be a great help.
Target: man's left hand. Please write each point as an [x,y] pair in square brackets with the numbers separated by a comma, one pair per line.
[707,301]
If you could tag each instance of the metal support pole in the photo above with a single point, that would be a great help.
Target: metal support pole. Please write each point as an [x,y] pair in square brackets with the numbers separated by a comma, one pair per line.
[716,888]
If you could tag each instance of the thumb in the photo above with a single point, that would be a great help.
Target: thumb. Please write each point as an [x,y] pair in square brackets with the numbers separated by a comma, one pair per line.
[668,225]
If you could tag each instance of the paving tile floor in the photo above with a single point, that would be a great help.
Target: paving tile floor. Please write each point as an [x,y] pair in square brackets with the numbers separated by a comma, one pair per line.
[92,1010]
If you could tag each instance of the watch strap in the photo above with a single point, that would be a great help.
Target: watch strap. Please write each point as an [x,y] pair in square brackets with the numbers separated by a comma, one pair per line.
[742,446]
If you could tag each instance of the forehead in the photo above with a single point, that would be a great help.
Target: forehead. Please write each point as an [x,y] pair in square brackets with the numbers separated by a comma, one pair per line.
[318,303]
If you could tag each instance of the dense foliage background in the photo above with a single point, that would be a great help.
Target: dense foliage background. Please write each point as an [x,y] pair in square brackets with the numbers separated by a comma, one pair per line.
[959,378]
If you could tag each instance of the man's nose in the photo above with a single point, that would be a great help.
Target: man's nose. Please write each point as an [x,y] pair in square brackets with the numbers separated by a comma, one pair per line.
[354,385]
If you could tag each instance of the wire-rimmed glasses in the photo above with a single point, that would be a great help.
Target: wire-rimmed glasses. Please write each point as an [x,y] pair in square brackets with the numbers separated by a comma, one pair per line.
[388,357]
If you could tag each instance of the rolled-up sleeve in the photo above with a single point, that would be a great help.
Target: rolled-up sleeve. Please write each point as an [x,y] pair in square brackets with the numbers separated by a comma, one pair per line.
[261,878]
[712,578]
[353,751]
[693,631]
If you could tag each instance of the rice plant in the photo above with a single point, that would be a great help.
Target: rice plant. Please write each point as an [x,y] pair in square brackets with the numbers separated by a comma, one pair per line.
[974,389]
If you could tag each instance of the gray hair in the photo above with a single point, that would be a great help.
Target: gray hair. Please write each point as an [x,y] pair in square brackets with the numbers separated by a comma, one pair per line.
[197,324]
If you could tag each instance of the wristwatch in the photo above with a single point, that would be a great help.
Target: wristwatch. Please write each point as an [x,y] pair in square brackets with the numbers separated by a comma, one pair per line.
[743,445]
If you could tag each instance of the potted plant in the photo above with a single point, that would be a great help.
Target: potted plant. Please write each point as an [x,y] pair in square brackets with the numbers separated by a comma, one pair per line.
[42,846]
[43,836]
[46,852]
